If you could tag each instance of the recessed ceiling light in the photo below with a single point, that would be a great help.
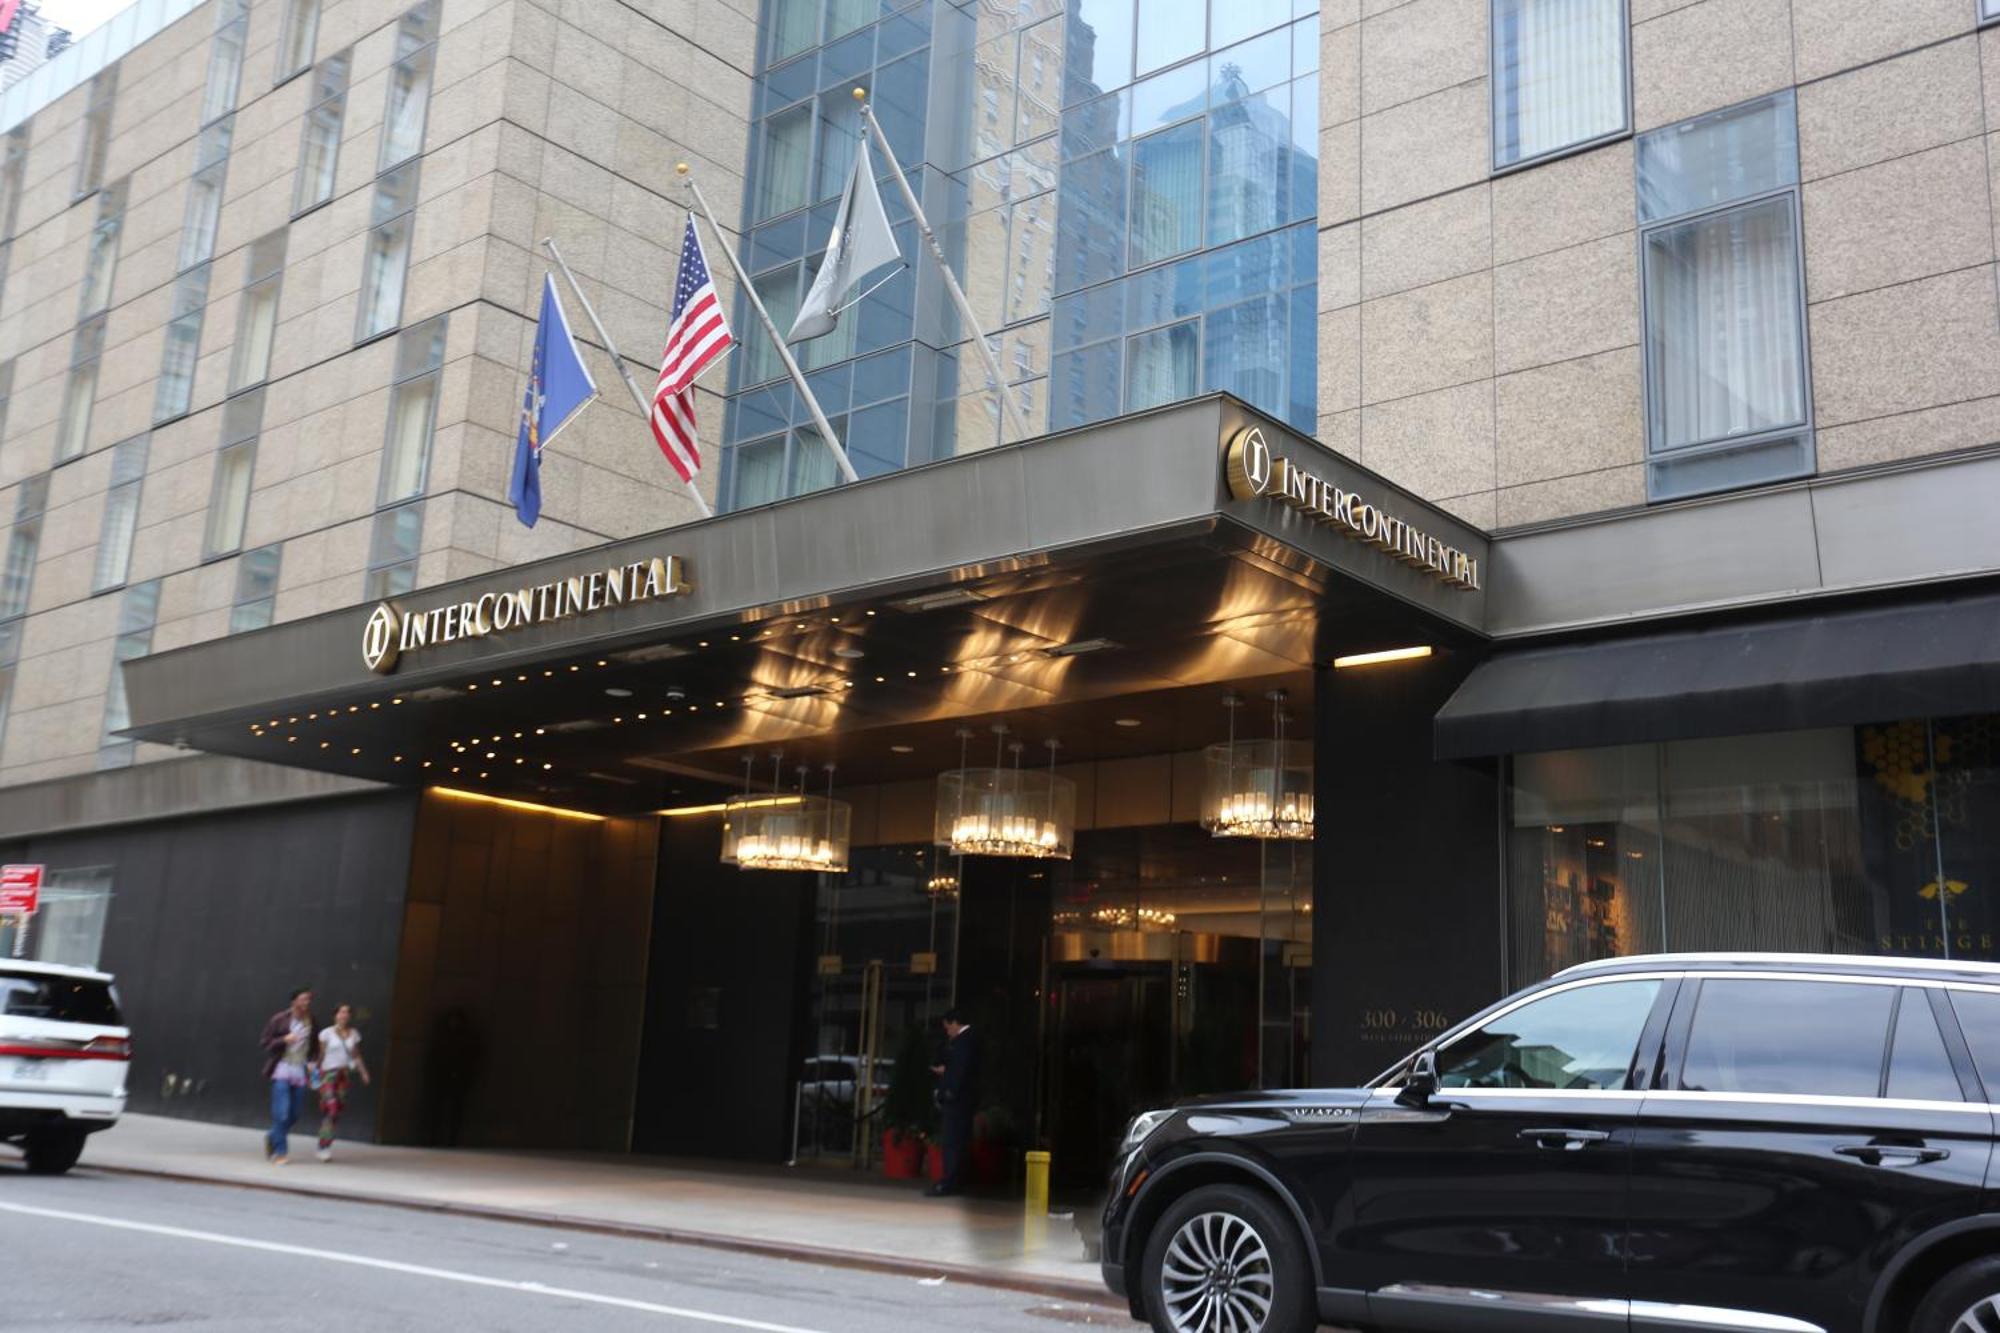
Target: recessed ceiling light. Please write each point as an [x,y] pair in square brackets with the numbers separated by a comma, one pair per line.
[1127,722]
[904,749]
[617,692]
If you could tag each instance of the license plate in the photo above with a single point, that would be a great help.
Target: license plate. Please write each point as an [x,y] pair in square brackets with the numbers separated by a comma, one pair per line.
[31,1071]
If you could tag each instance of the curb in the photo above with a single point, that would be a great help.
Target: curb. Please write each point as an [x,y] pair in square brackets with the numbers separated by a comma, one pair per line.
[1054,1288]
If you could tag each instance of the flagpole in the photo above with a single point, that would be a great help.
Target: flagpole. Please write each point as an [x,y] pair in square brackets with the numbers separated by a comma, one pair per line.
[777,340]
[950,280]
[624,372]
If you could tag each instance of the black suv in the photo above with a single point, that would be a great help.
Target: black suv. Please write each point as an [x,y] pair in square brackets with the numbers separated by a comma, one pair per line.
[1749,1142]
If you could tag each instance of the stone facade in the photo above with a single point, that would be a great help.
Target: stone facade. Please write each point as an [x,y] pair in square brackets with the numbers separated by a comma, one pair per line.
[560,120]
[1480,333]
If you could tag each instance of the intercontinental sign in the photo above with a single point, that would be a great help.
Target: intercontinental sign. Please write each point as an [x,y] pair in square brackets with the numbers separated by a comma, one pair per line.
[392,631]
[1254,470]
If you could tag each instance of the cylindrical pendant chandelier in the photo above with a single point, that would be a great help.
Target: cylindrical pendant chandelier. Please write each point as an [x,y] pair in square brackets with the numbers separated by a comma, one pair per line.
[1262,788]
[1006,811]
[789,831]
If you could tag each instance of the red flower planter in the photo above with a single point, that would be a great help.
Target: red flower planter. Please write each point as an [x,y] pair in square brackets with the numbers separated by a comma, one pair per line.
[902,1155]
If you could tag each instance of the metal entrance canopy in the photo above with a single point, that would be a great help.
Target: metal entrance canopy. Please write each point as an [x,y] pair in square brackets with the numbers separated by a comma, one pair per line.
[1173,549]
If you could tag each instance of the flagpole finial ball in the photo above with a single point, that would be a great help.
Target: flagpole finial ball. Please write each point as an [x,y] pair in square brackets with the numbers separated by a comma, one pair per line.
[680,168]
[860,94]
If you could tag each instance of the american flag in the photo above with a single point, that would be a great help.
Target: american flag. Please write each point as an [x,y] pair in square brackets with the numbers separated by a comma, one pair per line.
[696,335]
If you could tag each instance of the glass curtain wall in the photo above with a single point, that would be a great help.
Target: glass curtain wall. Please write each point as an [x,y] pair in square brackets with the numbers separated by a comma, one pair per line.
[887,968]
[1125,188]
[1876,839]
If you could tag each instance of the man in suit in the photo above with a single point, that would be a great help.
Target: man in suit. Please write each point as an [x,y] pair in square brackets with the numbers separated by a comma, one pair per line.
[957,1099]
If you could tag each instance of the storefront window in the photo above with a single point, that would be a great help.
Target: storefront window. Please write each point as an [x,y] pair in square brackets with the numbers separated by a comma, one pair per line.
[1875,839]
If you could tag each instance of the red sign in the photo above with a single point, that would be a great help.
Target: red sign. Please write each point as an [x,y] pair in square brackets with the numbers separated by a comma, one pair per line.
[20,889]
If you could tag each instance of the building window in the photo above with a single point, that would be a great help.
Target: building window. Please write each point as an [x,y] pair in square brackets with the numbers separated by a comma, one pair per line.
[102,262]
[96,132]
[6,392]
[1559,76]
[225,59]
[121,514]
[393,545]
[24,542]
[174,390]
[1723,284]
[297,36]
[204,206]
[13,170]
[137,614]
[1989,10]
[10,657]
[235,461]
[1166,194]
[69,923]
[319,143]
[406,445]
[256,588]
[409,86]
[386,261]
[257,316]
[80,392]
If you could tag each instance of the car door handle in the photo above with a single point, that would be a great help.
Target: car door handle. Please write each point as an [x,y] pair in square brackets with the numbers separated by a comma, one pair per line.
[1569,1140]
[1891,1154]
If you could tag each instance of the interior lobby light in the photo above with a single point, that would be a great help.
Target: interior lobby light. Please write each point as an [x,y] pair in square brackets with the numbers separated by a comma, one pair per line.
[481,797]
[1386,655]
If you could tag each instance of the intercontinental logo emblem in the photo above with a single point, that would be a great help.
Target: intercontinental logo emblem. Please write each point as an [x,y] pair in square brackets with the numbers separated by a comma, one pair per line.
[392,631]
[1254,470]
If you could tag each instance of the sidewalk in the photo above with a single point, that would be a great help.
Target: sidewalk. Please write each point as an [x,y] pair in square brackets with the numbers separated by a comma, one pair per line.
[806,1213]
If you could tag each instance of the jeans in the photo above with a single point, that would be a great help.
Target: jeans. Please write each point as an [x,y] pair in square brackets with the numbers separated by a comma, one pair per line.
[286,1099]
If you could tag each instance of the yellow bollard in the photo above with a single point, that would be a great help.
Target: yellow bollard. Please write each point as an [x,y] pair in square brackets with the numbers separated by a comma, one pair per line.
[1038,1184]
[1035,1210]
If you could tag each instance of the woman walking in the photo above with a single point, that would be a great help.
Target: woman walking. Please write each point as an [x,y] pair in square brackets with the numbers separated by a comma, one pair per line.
[339,1061]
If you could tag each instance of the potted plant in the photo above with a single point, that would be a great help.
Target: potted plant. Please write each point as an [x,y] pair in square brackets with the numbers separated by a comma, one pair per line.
[909,1114]
[995,1135]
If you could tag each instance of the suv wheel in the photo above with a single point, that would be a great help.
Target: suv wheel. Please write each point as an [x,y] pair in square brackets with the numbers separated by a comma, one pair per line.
[1227,1260]
[1966,1301]
[50,1152]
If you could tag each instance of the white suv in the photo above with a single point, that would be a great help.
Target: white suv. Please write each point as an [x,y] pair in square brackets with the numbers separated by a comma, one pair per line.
[64,1051]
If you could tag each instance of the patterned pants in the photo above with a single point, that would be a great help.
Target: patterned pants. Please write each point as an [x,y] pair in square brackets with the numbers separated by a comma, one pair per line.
[332,1100]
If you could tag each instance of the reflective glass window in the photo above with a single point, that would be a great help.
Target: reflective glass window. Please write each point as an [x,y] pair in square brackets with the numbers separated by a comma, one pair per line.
[1920,1067]
[1558,75]
[1574,1040]
[1808,1038]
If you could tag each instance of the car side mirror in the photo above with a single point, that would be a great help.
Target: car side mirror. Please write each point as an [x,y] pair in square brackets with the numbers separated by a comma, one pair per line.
[1421,1083]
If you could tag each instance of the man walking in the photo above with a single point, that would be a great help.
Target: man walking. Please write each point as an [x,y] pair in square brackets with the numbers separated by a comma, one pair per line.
[957,1099]
[291,1048]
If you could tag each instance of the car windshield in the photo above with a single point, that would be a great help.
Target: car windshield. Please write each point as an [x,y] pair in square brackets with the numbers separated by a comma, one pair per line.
[64,999]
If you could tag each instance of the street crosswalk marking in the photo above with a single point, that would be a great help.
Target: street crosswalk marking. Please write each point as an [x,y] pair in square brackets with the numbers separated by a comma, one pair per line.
[413,1270]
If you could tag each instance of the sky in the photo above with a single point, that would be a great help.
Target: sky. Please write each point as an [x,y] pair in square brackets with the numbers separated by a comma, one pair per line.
[80,16]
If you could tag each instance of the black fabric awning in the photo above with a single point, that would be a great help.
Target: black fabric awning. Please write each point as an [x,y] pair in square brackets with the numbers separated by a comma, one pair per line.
[1871,664]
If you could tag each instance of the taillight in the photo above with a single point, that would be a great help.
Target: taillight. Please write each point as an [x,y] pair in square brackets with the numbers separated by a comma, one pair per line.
[108,1048]
[97,1048]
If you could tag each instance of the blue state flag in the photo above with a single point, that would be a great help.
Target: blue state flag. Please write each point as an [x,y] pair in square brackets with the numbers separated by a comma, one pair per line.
[559,385]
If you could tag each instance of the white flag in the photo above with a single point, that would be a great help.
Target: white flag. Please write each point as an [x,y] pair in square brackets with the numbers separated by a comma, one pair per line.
[861,243]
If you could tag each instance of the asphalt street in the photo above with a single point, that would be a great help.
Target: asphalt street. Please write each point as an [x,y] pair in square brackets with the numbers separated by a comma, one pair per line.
[97,1250]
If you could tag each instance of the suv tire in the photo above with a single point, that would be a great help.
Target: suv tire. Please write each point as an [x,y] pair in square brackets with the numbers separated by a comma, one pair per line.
[1234,1245]
[50,1152]
[1966,1301]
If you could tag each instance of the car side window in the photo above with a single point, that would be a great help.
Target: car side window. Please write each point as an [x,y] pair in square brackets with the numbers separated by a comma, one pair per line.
[1919,1066]
[1979,1018]
[1579,1039]
[1809,1038]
